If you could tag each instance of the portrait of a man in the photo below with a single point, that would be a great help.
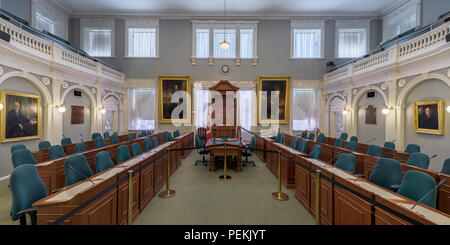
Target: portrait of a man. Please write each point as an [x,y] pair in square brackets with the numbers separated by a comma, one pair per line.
[170,86]
[428,117]
[273,94]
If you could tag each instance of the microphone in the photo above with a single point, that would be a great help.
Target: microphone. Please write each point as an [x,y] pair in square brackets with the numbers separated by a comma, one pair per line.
[371,140]
[393,141]
[334,158]
[79,173]
[421,199]
[435,155]
[64,136]
[82,138]
[358,176]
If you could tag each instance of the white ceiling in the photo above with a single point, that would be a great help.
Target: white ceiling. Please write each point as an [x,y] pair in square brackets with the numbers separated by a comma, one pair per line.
[234,7]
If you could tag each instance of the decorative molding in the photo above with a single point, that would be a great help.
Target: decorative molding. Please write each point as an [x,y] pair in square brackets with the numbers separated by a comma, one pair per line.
[384,86]
[142,83]
[307,24]
[64,84]
[211,61]
[93,90]
[193,61]
[239,84]
[238,61]
[354,91]
[401,83]
[46,81]
[1,71]
[448,73]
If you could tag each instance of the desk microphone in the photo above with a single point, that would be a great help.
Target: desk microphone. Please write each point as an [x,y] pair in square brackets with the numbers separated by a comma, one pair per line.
[80,173]
[421,199]
[393,141]
[371,140]
[64,136]
[82,138]
[334,158]
[435,155]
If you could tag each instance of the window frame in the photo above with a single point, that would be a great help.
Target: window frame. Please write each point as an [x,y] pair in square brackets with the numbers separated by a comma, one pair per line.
[142,24]
[308,25]
[46,19]
[351,24]
[99,24]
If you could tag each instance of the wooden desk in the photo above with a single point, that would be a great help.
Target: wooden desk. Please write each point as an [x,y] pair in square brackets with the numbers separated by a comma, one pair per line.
[219,150]
[227,131]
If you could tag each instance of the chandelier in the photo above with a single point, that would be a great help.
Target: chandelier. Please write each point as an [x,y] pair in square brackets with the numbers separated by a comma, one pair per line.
[224,45]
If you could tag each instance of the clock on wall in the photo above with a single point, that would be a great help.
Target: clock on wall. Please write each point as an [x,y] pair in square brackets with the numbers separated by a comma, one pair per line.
[225,69]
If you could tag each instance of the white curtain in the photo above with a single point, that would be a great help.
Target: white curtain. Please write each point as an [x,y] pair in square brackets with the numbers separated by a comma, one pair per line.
[230,36]
[247,108]
[406,24]
[202,43]
[246,50]
[306,111]
[98,43]
[351,42]
[141,109]
[201,107]
[307,43]
[142,42]
[43,23]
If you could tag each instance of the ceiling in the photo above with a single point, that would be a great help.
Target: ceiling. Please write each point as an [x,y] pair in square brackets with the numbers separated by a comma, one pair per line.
[234,7]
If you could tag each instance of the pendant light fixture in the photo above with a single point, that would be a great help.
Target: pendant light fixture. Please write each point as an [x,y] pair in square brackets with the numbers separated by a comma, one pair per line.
[224,45]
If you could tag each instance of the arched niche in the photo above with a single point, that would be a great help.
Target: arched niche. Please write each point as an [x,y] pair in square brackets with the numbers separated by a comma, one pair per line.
[368,111]
[335,119]
[111,117]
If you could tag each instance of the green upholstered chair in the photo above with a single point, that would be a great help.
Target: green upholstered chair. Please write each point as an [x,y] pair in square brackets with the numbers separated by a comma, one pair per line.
[304,135]
[321,138]
[281,139]
[311,136]
[248,152]
[44,145]
[294,143]
[202,151]
[316,152]
[155,142]
[387,173]
[56,151]
[114,139]
[389,145]
[123,154]
[351,145]
[354,139]
[80,147]
[303,146]
[103,161]
[136,149]
[344,136]
[26,188]
[446,167]
[347,162]
[106,135]
[116,134]
[66,141]
[339,143]
[374,151]
[95,135]
[130,137]
[176,133]
[416,184]
[99,142]
[147,144]
[141,134]
[410,148]
[274,136]
[17,147]
[22,156]
[80,170]
[419,159]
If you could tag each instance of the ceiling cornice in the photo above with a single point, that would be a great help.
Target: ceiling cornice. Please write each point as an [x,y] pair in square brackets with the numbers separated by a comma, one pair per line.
[60,7]
[394,6]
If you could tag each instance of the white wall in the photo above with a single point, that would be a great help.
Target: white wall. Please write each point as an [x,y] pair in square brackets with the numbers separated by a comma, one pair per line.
[367,132]
[73,131]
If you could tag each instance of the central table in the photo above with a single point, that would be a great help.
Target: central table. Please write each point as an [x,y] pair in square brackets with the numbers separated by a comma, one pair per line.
[217,148]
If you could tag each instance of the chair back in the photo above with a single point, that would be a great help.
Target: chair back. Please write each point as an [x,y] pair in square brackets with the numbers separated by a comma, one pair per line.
[316,152]
[351,145]
[303,145]
[278,138]
[106,135]
[344,136]
[410,148]
[321,138]
[294,143]
[374,151]
[253,143]
[419,159]
[44,145]
[346,162]
[354,139]
[387,172]
[116,134]
[446,167]
[130,137]
[99,142]
[416,184]
[114,139]
[147,144]
[123,154]
[95,135]
[56,151]
[103,161]
[155,142]
[22,156]
[339,143]
[81,166]
[80,147]
[304,135]
[17,147]
[66,141]
[136,149]
[26,188]
[389,145]
[198,142]
[311,136]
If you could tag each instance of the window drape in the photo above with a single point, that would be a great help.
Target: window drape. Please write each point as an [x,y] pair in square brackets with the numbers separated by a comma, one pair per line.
[202,43]
[201,107]
[247,108]
[43,23]
[141,109]
[230,36]
[142,42]
[306,111]
[99,43]
[307,43]
[351,43]
[246,43]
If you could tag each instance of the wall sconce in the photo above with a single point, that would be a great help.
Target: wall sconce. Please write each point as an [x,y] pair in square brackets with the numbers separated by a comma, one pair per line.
[102,110]
[1,107]
[346,111]
[386,110]
[60,108]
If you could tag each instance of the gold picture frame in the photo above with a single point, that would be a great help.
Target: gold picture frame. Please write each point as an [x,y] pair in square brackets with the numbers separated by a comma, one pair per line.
[285,90]
[11,129]
[429,117]
[166,86]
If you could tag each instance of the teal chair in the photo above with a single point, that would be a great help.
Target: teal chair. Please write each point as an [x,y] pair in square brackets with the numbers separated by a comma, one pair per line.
[293,144]
[103,161]
[339,143]
[123,154]
[321,138]
[446,167]
[303,146]
[304,135]
[374,151]
[136,149]
[389,145]
[410,148]
[155,142]
[344,136]
[316,152]
[147,144]
[56,151]
[202,151]
[95,135]
[351,145]
[116,134]
[176,133]
[114,139]
[141,134]
[354,139]
[311,136]
[17,147]
[66,141]
[44,145]
[76,169]
[416,184]
[130,137]
[274,136]
[278,138]
[418,159]
[346,162]
[22,156]
[281,139]
[387,173]
[26,188]
[80,147]
[106,135]
[99,142]
[248,152]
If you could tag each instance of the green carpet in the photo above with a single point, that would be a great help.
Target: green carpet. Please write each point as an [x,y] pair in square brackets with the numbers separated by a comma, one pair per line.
[5,204]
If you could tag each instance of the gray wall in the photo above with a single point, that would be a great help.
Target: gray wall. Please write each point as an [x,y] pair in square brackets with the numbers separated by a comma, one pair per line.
[431,9]
[19,8]
[430,144]
[17,84]
[367,132]
[74,32]
[73,131]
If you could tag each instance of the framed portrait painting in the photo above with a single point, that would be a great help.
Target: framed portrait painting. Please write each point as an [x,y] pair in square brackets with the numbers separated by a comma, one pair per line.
[429,117]
[21,117]
[273,100]
[175,99]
